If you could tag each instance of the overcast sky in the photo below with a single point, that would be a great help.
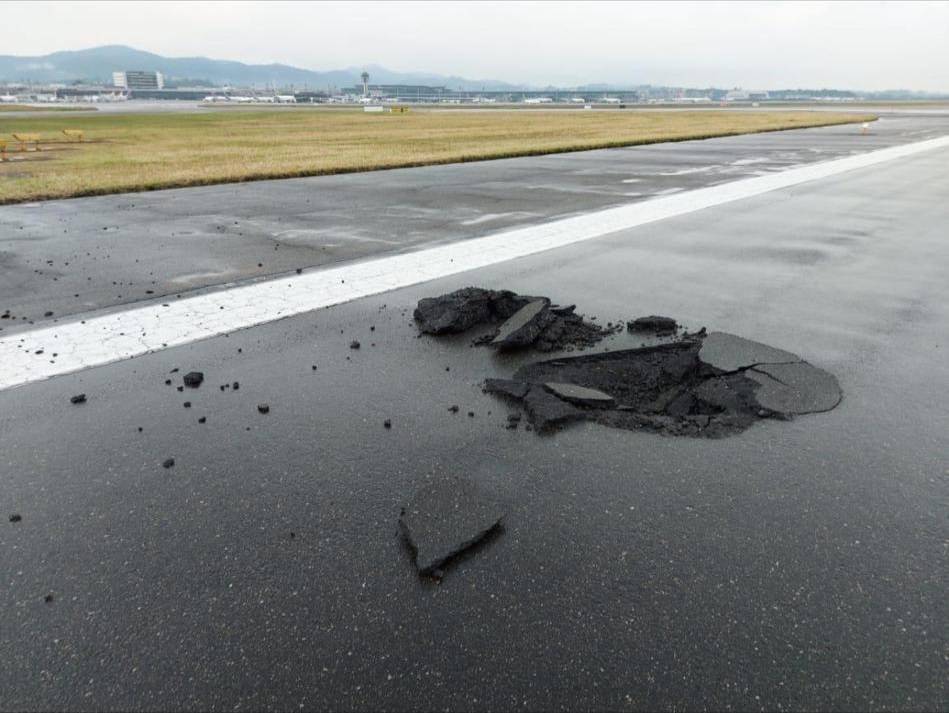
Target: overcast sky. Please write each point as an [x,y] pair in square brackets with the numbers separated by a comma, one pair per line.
[859,45]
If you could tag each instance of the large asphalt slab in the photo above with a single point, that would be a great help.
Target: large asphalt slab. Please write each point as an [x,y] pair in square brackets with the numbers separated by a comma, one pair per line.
[73,256]
[798,565]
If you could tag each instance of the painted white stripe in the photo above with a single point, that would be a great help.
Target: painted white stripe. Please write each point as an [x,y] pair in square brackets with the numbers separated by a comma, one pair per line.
[121,335]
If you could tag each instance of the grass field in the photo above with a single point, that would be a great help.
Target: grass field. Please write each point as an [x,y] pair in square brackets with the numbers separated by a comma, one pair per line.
[13,108]
[130,152]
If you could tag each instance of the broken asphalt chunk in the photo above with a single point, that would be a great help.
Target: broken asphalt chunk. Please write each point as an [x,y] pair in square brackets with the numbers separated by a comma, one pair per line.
[446,517]
[730,353]
[799,388]
[168,462]
[455,312]
[653,323]
[523,327]
[193,379]
[77,399]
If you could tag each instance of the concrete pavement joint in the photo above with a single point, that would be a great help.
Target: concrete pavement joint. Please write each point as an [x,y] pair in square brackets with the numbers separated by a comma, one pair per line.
[104,339]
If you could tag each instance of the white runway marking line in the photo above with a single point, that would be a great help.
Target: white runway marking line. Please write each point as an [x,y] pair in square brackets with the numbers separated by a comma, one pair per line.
[122,335]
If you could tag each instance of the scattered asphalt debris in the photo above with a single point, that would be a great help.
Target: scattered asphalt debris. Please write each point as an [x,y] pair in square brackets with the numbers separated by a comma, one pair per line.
[139,429]
[387,423]
[471,414]
[16,517]
[523,321]
[702,385]
[653,323]
[187,404]
[454,408]
[180,388]
[203,419]
[313,367]
[354,344]
[48,599]
[444,518]
[193,379]
[168,462]
[236,385]
[167,382]
[77,399]
[47,314]
[263,408]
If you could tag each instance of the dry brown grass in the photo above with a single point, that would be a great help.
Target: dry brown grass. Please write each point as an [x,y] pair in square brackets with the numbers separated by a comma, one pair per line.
[148,151]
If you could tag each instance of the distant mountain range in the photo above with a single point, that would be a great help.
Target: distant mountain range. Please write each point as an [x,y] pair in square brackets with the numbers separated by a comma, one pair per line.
[97,64]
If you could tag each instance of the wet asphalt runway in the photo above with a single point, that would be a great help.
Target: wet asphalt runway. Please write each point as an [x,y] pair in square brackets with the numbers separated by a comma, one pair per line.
[798,565]
[74,256]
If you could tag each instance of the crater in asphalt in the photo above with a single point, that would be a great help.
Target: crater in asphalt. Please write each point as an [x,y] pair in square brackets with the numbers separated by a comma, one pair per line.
[445,518]
[703,385]
[520,320]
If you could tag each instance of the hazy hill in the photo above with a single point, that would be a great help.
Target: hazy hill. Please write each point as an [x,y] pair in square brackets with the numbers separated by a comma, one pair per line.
[98,63]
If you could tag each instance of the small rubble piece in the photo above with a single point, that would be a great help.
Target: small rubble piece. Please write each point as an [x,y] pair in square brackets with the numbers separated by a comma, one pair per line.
[263,408]
[387,423]
[77,399]
[523,327]
[48,599]
[193,379]
[16,517]
[354,344]
[446,517]
[168,462]
[704,385]
[654,324]
[523,321]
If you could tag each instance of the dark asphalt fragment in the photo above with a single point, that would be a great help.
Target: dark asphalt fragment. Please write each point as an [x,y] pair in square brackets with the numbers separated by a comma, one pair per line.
[193,379]
[797,388]
[168,463]
[354,344]
[263,408]
[730,353]
[16,517]
[77,399]
[523,327]
[653,323]
[446,517]
[387,423]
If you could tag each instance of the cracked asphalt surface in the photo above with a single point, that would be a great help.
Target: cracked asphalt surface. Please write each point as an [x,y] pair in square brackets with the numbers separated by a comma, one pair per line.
[797,565]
